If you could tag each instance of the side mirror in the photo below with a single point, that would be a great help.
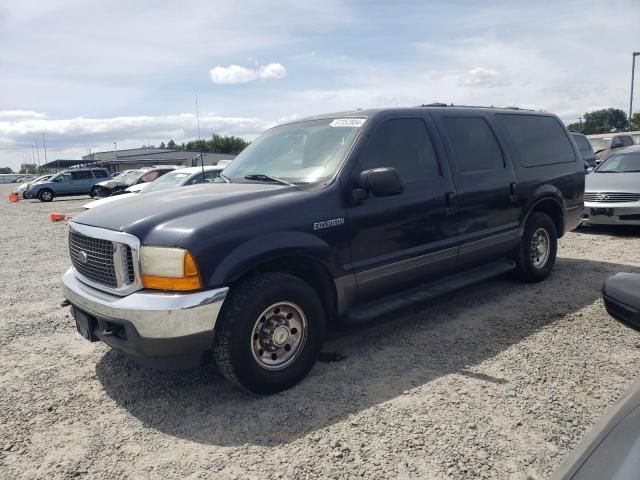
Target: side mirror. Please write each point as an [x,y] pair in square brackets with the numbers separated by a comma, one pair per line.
[616,143]
[382,182]
[588,170]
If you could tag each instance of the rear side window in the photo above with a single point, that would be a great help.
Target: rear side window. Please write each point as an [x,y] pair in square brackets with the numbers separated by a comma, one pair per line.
[405,145]
[474,146]
[626,140]
[583,143]
[537,139]
[149,177]
[81,175]
[100,174]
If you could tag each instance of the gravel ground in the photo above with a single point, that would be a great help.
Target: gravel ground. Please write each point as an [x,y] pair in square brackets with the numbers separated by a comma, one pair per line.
[500,380]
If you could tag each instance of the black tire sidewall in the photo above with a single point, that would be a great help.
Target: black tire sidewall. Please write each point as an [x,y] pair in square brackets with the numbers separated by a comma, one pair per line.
[40,195]
[247,370]
[527,271]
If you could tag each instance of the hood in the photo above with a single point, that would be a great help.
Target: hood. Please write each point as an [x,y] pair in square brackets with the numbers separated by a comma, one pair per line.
[112,183]
[612,182]
[107,200]
[163,217]
[138,187]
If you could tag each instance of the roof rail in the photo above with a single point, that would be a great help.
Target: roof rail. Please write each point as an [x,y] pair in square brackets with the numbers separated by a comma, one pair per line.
[440,104]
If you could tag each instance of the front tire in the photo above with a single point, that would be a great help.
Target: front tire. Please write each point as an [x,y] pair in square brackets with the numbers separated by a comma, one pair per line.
[45,195]
[269,333]
[536,254]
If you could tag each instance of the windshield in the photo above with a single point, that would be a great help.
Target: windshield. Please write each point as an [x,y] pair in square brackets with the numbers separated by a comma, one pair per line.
[304,152]
[131,177]
[170,180]
[600,143]
[628,162]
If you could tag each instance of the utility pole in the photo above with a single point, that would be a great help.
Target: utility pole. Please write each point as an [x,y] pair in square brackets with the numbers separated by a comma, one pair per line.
[44,143]
[38,150]
[633,69]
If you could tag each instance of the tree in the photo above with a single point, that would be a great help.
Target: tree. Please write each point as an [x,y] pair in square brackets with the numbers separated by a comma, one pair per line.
[635,121]
[6,170]
[28,168]
[218,144]
[576,127]
[162,145]
[171,144]
[605,121]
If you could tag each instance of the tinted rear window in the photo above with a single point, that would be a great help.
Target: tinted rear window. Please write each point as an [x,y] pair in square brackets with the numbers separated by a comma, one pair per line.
[536,139]
[100,174]
[582,142]
[81,175]
[474,145]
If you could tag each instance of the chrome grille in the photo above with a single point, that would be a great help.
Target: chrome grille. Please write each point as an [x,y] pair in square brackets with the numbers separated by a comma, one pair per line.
[611,197]
[93,258]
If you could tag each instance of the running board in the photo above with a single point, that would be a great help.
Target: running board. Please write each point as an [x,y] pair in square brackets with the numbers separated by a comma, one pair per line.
[428,291]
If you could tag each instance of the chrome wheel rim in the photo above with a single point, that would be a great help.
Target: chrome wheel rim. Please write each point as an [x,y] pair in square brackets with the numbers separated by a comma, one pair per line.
[46,196]
[278,336]
[540,248]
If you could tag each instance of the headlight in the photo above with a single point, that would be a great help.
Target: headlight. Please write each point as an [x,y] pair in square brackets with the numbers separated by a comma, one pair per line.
[169,269]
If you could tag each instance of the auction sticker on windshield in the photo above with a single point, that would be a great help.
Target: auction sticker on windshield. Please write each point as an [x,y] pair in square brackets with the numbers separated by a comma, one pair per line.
[348,122]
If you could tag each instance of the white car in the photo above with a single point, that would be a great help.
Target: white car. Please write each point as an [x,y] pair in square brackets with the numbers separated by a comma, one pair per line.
[22,188]
[178,178]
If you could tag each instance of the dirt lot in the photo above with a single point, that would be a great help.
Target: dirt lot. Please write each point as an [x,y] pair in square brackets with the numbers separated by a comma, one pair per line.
[498,381]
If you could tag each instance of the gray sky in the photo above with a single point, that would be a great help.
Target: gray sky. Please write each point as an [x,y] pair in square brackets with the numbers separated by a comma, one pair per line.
[89,73]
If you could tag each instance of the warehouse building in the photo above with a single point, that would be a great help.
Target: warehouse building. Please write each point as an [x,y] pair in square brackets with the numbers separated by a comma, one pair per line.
[118,160]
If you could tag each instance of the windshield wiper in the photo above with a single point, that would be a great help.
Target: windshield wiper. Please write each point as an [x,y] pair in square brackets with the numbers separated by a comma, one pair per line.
[267,178]
[225,178]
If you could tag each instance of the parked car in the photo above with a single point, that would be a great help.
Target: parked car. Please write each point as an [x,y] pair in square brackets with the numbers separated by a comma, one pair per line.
[80,181]
[118,185]
[612,190]
[178,178]
[585,149]
[604,145]
[621,296]
[22,188]
[333,218]
[611,450]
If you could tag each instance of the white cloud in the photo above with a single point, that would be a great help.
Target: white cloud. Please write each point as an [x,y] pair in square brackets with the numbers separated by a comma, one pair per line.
[482,77]
[20,114]
[73,137]
[237,74]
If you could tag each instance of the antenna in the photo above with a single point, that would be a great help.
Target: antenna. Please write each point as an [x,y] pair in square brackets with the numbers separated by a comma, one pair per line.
[199,139]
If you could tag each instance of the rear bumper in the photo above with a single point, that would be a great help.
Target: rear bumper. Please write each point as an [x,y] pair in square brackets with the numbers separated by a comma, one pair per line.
[145,323]
[598,213]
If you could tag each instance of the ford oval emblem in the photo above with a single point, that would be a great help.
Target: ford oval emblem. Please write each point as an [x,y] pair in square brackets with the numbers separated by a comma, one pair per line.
[82,256]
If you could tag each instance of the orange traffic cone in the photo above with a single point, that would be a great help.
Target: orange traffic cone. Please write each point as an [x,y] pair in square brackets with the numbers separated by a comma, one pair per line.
[14,197]
[57,217]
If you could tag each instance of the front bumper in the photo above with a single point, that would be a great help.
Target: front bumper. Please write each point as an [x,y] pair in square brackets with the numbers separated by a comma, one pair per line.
[146,323]
[600,213]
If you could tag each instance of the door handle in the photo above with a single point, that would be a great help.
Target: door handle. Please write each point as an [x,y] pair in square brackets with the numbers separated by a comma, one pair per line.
[450,198]
[512,192]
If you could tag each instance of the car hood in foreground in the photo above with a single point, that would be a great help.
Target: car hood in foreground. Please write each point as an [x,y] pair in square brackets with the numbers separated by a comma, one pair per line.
[161,218]
[612,182]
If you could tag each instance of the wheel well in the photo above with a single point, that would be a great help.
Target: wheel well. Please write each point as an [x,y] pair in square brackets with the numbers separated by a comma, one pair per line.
[309,270]
[554,210]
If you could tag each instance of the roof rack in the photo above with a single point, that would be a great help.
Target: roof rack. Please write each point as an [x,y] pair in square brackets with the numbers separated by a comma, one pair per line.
[440,104]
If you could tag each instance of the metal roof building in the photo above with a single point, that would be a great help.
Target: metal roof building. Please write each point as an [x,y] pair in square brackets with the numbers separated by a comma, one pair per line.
[117,160]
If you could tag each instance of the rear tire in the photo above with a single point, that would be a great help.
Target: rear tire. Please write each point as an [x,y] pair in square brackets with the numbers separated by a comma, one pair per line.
[269,333]
[536,254]
[45,195]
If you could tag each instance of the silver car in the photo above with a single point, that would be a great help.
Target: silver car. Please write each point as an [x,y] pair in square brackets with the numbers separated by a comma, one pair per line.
[612,190]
